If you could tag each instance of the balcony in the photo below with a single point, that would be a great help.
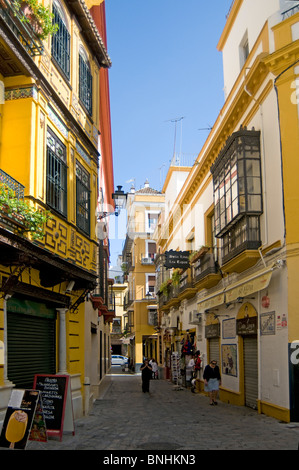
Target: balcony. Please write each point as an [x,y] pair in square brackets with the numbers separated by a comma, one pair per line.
[24,32]
[148,259]
[186,287]
[128,300]
[205,272]
[11,189]
[290,12]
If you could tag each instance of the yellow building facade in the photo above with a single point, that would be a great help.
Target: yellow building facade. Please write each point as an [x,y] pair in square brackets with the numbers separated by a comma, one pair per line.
[49,141]
[143,209]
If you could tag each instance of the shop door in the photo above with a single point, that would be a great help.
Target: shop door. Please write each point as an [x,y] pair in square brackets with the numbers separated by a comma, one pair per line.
[214,354]
[31,347]
[250,371]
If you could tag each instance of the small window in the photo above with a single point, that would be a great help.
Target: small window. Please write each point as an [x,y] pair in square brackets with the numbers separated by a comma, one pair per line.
[85,81]
[151,221]
[244,50]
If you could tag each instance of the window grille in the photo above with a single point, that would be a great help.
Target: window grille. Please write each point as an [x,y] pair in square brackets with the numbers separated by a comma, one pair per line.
[82,199]
[56,174]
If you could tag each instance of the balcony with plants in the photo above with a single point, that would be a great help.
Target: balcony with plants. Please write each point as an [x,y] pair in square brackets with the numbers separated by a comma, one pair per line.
[16,214]
[30,21]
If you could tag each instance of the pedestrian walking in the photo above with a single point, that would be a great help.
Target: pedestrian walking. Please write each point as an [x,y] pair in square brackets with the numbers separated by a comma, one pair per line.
[212,380]
[154,368]
[146,374]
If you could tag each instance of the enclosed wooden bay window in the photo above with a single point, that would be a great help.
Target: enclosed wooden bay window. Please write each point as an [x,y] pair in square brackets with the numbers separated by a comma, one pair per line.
[238,193]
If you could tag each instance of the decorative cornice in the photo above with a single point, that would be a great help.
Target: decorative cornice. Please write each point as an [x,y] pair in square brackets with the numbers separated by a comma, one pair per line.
[90,31]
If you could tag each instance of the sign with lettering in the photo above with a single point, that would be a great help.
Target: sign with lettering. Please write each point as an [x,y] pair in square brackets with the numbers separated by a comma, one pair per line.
[212,331]
[247,326]
[19,418]
[177,259]
[57,402]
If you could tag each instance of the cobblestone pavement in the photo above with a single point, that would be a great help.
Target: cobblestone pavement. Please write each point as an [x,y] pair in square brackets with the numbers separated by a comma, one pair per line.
[125,418]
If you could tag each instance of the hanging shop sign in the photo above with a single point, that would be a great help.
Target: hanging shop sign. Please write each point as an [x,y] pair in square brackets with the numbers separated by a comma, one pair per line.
[177,259]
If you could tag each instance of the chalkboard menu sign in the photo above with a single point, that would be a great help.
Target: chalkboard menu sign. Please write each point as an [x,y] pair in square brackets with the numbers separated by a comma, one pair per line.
[57,406]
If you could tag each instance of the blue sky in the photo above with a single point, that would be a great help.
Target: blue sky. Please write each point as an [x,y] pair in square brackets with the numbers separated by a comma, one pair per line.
[165,66]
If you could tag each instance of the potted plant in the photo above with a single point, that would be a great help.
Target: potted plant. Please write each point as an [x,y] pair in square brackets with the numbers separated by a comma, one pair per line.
[39,17]
[164,287]
[176,276]
[26,217]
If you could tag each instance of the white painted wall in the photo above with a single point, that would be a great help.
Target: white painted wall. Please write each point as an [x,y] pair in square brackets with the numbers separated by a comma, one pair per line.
[252,16]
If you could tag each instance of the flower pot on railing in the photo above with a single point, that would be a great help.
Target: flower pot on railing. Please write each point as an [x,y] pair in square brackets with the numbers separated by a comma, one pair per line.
[32,18]
[37,15]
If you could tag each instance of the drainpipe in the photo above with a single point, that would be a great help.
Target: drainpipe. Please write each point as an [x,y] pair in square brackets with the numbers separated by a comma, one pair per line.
[62,367]
[263,163]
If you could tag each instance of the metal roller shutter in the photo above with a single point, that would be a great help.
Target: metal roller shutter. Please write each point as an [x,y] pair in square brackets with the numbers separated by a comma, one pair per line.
[30,348]
[250,371]
[214,354]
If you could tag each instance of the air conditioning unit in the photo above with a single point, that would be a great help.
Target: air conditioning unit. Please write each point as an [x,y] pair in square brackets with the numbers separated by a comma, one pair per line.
[195,318]
[146,261]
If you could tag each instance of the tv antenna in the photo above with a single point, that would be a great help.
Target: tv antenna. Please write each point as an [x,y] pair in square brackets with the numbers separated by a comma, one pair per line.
[206,128]
[176,120]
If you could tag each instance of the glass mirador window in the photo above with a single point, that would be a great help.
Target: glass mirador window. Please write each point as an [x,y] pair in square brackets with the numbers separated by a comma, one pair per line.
[238,191]
[237,180]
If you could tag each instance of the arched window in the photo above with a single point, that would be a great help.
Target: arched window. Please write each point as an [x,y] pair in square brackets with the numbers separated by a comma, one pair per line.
[85,81]
[61,40]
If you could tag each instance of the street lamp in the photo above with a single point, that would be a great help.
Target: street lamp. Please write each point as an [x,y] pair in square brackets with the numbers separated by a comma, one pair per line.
[120,199]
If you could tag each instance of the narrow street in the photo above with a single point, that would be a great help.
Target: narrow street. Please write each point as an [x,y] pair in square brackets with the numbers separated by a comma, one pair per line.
[126,419]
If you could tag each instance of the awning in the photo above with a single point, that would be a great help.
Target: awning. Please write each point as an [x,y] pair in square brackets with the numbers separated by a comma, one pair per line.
[211,301]
[249,285]
[128,339]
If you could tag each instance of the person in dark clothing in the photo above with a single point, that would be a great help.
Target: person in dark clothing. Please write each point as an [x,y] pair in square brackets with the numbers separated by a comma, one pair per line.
[212,381]
[146,373]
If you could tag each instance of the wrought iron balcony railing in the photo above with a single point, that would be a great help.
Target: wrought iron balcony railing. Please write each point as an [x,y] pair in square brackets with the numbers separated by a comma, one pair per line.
[9,182]
[24,32]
